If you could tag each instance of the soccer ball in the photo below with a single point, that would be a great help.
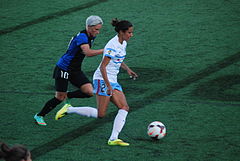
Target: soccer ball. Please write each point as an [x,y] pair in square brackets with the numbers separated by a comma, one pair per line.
[156,130]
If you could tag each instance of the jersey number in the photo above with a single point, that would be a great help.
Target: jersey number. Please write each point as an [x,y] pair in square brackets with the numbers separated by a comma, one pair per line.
[103,87]
[64,74]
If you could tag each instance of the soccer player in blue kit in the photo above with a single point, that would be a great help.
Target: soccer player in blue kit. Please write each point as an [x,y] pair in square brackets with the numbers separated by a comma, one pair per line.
[68,68]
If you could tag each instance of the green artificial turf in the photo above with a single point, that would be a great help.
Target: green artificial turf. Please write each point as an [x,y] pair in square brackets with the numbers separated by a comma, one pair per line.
[186,54]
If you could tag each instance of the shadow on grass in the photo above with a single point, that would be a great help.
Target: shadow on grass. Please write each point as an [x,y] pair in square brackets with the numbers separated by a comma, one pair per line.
[224,88]
[50,16]
[135,105]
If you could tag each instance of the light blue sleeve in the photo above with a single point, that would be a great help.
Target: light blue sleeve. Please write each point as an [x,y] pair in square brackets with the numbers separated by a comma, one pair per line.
[110,52]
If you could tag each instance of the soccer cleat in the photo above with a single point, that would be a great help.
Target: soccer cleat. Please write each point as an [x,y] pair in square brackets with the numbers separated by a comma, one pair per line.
[117,142]
[62,112]
[40,120]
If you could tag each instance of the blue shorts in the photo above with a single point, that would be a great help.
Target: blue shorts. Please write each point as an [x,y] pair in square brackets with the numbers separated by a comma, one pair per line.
[100,87]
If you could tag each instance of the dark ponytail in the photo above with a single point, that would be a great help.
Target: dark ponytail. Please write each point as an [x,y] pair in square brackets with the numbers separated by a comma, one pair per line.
[121,25]
[16,153]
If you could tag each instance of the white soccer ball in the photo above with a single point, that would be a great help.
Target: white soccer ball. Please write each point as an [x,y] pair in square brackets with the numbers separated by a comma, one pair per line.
[156,130]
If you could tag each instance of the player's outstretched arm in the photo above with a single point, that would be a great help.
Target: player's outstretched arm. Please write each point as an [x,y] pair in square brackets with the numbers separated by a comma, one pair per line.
[90,52]
[131,73]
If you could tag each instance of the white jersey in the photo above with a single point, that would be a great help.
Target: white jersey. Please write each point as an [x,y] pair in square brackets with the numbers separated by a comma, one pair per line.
[117,52]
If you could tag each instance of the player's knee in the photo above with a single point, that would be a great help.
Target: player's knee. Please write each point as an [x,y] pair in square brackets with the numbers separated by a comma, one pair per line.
[61,96]
[89,94]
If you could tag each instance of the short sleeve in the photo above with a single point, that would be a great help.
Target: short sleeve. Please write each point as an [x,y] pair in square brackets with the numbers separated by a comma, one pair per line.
[81,39]
[110,52]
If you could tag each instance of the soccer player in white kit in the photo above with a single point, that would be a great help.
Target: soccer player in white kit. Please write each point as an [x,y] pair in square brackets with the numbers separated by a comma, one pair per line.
[106,86]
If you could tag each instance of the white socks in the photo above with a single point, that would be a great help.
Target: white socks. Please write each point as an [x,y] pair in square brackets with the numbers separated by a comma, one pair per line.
[118,124]
[119,120]
[84,111]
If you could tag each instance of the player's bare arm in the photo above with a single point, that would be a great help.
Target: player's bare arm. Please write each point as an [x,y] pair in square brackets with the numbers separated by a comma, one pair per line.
[129,71]
[90,52]
[103,70]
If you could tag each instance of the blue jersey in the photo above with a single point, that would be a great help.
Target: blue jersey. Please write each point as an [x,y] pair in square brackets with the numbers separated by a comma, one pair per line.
[72,59]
